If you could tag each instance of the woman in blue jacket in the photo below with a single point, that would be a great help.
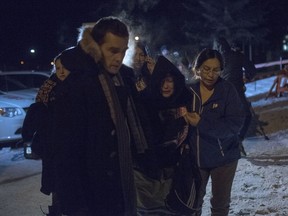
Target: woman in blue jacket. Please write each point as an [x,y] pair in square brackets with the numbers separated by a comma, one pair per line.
[215,121]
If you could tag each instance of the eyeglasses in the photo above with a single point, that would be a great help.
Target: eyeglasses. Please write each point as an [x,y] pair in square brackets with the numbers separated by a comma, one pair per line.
[206,70]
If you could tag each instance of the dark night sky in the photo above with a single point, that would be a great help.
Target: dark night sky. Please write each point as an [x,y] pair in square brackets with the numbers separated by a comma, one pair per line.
[49,26]
[38,24]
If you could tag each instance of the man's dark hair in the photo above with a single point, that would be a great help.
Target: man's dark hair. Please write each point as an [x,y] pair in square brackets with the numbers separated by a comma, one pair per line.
[109,24]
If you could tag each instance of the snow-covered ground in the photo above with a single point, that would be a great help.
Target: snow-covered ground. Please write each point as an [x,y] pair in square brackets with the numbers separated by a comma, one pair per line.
[260,185]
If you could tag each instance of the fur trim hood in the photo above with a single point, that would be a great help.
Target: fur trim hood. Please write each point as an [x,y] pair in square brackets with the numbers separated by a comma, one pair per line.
[88,44]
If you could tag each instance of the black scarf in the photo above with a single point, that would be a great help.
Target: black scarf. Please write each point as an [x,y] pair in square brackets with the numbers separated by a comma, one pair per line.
[123,135]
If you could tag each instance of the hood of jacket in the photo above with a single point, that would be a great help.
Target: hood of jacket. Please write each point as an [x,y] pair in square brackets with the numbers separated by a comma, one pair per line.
[180,96]
[84,55]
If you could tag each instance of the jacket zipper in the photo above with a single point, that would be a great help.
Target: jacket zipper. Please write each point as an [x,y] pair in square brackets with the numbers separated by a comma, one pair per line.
[220,146]
[200,111]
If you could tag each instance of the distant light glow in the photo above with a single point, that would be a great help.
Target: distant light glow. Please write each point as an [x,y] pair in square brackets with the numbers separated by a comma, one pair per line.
[285,43]
[137,38]
[22,62]
[32,51]
[164,51]
[176,54]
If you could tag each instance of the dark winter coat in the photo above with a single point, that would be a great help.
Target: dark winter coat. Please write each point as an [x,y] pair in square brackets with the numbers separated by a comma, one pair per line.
[34,125]
[36,120]
[214,141]
[86,147]
[37,127]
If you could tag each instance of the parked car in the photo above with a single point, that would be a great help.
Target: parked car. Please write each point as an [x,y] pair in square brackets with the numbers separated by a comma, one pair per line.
[18,90]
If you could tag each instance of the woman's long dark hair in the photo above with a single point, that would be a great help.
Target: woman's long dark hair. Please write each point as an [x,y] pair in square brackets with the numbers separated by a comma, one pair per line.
[206,54]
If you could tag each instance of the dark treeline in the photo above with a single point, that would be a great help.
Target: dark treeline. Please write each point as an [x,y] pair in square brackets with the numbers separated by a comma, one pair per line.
[258,27]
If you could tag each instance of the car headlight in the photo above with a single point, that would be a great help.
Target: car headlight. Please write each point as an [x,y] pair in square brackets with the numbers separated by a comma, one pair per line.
[10,111]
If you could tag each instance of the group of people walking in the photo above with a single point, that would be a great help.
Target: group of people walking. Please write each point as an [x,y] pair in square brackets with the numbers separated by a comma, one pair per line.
[111,136]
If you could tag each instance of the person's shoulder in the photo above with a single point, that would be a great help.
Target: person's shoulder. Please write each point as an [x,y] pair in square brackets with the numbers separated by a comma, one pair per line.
[226,86]
[37,106]
[53,78]
[82,76]
[187,94]
[224,82]
[51,81]
[237,54]
[76,60]
[193,84]
[69,54]
[126,69]
[126,72]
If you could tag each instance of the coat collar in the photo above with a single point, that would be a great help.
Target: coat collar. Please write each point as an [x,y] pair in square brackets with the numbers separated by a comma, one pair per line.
[88,44]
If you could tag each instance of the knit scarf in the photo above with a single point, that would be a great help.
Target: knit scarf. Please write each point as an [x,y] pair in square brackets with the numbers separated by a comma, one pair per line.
[123,136]
[44,91]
